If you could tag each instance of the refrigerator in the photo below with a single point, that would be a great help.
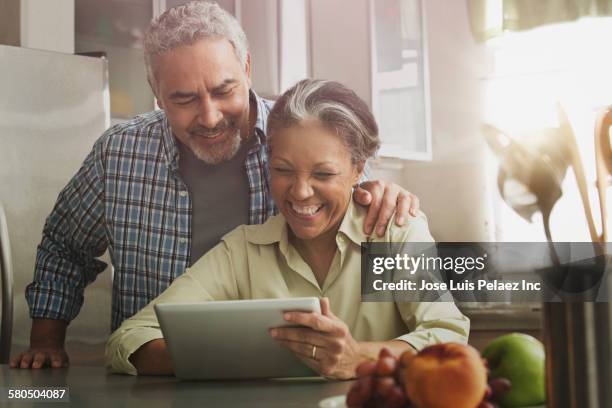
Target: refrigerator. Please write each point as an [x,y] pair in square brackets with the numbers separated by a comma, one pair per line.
[53,106]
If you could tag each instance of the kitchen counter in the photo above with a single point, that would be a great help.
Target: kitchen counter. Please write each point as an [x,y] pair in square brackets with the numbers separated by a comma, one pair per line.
[488,323]
[93,387]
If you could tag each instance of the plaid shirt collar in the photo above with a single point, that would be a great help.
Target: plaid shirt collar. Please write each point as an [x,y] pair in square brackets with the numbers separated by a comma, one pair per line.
[169,141]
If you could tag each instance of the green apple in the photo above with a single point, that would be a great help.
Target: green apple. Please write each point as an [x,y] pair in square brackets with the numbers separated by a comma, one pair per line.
[519,358]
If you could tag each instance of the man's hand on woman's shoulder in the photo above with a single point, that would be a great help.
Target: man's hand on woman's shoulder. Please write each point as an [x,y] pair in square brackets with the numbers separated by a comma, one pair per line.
[382,200]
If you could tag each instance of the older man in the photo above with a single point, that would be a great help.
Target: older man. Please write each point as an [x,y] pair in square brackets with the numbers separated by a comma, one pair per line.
[161,189]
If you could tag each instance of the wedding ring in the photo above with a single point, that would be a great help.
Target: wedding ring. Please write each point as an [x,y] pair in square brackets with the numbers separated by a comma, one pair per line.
[314,352]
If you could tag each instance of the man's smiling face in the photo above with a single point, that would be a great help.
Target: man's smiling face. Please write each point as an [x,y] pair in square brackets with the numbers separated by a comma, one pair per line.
[204,91]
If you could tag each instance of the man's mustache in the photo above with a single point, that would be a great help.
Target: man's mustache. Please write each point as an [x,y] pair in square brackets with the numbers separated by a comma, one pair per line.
[204,131]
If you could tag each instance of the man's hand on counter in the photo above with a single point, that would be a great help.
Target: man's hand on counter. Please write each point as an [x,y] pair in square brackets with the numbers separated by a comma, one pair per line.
[46,346]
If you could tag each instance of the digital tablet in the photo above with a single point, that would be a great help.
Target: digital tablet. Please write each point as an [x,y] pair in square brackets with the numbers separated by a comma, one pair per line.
[230,339]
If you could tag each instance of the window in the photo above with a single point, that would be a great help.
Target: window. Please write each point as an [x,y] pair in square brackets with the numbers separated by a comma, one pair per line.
[400,97]
[532,70]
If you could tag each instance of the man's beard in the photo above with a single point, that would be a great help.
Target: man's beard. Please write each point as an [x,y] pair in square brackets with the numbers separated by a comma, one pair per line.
[219,152]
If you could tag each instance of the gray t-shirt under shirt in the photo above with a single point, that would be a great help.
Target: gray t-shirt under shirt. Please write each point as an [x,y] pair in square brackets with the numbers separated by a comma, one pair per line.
[219,197]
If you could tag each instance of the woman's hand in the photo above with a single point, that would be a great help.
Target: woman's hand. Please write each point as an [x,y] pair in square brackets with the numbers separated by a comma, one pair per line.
[153,358]
[325,344]
[382,199]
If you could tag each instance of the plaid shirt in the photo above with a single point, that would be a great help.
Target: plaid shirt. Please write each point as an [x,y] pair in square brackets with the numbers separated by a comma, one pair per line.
[128,197]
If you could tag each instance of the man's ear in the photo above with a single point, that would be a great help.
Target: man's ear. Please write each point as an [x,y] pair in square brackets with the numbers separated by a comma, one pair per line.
[154,90]
[159,104]
[247,68]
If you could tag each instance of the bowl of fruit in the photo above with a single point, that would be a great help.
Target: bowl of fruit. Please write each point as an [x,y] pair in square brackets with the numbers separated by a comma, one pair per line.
[451,375]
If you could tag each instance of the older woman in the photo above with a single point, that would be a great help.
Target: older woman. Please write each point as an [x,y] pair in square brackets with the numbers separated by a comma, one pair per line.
[321,135]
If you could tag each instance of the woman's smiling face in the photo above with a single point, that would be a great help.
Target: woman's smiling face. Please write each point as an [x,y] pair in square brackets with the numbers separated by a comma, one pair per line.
[311,178]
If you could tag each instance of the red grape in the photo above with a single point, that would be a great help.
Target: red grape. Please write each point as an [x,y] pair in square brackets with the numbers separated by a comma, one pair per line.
[354,397]
[366,387]
[499,387]
[395,397]
[378,384]
[386,366]
[383,385]
[384,352]
[488,392]
[366,368]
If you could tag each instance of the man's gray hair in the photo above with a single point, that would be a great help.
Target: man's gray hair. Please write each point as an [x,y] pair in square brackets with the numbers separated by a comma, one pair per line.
[336,107]
[188,23]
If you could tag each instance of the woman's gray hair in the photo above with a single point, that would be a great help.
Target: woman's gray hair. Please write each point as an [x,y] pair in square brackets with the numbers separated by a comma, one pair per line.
[188,23]
[336,107]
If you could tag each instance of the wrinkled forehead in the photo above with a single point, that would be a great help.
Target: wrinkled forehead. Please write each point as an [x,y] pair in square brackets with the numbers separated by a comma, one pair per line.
[214,48]
[305,126]
[308,131]
[210,59]
[326,140]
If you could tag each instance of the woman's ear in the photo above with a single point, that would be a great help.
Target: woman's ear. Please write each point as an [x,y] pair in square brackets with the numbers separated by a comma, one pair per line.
[358,172]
